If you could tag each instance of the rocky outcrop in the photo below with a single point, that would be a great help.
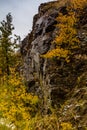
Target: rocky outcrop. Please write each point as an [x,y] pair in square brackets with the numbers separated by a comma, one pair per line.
[38,42]
[49,78]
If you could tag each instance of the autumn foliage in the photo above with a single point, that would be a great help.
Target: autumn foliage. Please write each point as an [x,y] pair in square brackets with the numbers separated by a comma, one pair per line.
[17,105]
[66,39]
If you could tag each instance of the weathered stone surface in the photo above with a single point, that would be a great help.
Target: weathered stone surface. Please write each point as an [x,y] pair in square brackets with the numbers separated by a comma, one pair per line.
[46,77]
[35,67]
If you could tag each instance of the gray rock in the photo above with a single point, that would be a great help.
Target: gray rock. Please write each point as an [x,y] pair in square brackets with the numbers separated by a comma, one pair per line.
[50,77]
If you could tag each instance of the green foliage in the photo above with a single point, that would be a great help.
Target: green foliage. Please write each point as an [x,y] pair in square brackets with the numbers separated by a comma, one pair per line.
[4,127]
[17,106]
[6,49]
[7,46]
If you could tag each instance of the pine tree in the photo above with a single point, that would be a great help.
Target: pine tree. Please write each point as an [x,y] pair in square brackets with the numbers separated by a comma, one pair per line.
[6,46]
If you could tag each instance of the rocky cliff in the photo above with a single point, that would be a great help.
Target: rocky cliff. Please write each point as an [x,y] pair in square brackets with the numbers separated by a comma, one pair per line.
[39,71]
[49,78]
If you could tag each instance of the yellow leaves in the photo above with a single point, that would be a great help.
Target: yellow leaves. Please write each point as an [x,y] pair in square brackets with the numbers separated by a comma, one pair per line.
[59,52]
[67,30]
[14,106]
[78,3]
[66,126]
[59,39]
[35,100]
[15,103]
[65,20]
[66,38]
[14,81]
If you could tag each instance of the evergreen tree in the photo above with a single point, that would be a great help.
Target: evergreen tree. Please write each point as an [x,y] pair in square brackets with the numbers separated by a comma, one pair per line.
[6,46]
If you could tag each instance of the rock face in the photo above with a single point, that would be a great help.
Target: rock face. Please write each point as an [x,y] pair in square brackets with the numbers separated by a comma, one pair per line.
[38,42]
[48,78]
